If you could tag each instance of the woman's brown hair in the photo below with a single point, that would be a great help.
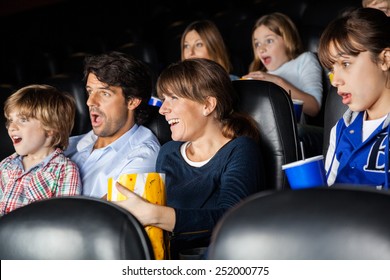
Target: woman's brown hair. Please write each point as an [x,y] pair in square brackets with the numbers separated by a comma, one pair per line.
[212,39]
[363,29]
[197,79]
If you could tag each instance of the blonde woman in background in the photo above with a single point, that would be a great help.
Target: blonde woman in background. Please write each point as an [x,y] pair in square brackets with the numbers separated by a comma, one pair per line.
[202,39]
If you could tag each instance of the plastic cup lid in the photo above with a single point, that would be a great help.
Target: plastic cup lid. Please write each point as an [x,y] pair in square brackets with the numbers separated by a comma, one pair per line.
[300,162]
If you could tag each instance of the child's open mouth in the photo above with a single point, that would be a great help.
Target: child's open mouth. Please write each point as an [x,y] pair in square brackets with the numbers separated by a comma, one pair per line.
[16,139]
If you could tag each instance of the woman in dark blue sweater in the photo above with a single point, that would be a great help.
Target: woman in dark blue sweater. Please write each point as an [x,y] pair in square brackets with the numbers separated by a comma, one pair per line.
[212,164]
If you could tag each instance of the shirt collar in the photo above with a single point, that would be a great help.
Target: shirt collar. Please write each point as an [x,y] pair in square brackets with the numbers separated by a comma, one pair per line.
[121,141]
[90,138]
[18,159]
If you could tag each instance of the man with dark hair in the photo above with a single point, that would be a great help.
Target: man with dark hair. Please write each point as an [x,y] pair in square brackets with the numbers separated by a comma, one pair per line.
[119,88]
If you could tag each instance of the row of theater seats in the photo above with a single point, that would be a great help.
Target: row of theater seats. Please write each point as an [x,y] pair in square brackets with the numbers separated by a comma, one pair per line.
[336,223]
[339,223]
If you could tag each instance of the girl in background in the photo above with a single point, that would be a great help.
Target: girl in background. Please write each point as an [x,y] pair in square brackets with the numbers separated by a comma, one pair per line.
[278,58]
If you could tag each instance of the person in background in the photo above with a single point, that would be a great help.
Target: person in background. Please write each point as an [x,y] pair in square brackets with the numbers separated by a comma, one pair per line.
[279,58]
[40,119]
[119,88]
[356,48]
[202,39]
[213,161]
[382,5]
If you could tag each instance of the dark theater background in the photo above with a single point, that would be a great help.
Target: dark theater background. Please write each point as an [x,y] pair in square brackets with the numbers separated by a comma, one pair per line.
[45,41]
[55,29]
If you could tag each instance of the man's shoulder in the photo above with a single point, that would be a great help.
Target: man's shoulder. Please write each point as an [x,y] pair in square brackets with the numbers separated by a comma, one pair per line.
[143,136]
[73,142]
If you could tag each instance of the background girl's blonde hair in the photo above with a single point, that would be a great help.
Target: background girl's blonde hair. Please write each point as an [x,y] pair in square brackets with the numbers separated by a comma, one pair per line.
[283,26]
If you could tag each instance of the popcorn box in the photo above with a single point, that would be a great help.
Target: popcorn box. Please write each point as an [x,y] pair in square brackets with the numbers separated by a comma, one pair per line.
[150,186]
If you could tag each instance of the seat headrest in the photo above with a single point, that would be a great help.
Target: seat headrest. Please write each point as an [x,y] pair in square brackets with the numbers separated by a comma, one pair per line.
[321,223]
[272,109]
[72,228]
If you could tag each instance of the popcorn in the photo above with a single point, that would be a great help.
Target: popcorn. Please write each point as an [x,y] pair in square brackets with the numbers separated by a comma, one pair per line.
[150,186]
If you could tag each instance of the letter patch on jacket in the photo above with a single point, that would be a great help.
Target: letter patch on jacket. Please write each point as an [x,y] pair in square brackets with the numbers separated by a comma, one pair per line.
[376,156]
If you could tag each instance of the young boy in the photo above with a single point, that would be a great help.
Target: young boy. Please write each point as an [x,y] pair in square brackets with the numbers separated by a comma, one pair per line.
[39,121]
[383,5]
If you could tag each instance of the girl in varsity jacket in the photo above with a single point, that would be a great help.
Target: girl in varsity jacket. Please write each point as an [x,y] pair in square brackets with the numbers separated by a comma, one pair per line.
[356,48]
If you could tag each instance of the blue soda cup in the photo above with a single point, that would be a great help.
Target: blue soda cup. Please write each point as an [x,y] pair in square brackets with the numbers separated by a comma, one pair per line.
[307,173]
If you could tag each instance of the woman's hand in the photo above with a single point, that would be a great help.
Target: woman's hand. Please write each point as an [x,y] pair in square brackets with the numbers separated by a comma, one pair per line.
[147,213]
[310,104]
[135,204]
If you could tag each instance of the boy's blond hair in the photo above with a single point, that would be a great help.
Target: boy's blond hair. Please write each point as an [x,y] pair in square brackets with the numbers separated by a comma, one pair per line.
[53,108]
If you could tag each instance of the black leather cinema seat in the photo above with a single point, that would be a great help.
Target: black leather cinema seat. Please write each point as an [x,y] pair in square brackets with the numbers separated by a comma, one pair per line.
[158,125]
[6,145]
[143,51]
[322,223]
[334,110]
[272,109]
[73,228]
[75,87]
